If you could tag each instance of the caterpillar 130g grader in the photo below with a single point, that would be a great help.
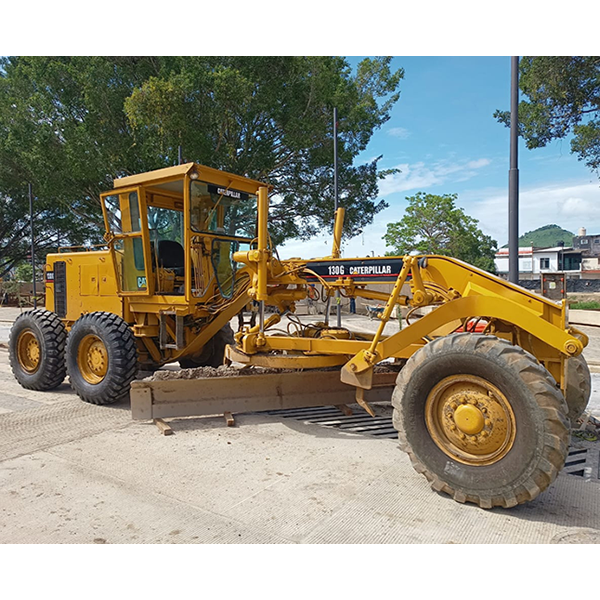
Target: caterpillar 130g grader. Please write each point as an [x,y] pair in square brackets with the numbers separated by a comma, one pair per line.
[484,416]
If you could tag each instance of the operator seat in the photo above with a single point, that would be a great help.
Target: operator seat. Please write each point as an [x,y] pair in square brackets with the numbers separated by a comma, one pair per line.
[171,256]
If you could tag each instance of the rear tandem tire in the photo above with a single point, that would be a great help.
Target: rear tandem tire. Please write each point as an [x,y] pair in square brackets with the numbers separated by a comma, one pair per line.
[101,358]
[481,419]
[579,387]
[213,354]
[37,350]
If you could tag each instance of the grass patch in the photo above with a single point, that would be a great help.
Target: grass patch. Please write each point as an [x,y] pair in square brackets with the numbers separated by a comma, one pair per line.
[591,305]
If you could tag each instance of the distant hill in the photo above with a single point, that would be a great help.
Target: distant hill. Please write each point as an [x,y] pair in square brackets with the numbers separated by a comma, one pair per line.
[545,237]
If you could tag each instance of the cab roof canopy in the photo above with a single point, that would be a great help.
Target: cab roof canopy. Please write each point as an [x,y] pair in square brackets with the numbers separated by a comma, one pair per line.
[172,178]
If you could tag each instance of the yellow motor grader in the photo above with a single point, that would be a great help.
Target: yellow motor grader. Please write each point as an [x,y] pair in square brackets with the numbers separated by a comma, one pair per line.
[484,416]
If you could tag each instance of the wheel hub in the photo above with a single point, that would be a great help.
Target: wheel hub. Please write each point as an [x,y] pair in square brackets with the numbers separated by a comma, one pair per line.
[470,420]
[28,351]
[92,359]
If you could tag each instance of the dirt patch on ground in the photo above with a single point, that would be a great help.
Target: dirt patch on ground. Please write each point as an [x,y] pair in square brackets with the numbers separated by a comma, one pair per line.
[203,372]
[232,371]
[584,297]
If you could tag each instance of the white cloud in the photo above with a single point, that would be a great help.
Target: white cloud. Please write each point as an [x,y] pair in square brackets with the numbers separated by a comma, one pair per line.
[399,132]
[419,176]
[415,176]
[370,241]
[569,205]
[477,164]
[578,207]
[410,177]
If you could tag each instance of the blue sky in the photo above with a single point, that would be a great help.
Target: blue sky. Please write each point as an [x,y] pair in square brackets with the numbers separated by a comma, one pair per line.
[444,139]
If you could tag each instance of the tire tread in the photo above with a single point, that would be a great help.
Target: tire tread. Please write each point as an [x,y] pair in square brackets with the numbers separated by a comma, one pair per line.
[548,397]
[118,334]
[54,335]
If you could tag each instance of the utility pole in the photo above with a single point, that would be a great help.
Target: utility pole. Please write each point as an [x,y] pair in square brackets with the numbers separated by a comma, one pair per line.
[513,176]
[335,162]
[32,244]
[338,302]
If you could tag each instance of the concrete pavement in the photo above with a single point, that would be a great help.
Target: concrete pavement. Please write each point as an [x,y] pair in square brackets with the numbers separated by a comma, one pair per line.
[77,473]
[81,474]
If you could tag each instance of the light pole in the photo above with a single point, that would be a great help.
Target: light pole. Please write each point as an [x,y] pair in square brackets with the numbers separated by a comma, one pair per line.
[513,176]
[335,196]
[32,245]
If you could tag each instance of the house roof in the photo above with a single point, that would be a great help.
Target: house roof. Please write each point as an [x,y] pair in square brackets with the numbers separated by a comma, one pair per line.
[554,249]
[523,251]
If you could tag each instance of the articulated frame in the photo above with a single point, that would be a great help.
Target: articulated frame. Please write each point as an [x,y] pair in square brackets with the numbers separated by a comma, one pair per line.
[457,292]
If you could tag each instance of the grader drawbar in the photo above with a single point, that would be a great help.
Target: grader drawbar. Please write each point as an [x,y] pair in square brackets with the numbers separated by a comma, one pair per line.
[484,385]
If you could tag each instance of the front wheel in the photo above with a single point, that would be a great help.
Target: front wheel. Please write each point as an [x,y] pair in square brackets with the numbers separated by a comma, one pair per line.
[101,358]
[481,419]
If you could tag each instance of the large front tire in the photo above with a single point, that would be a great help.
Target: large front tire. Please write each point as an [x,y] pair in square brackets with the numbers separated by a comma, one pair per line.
[37,350]
[481,419]
[101,358]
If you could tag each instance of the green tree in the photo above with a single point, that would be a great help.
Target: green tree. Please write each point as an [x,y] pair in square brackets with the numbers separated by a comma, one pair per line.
[54,226]
[73,124]
[563,98]
[24,272]
[434,224]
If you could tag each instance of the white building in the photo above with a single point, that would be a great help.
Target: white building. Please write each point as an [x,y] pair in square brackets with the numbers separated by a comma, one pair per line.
[534,261]
[525,260]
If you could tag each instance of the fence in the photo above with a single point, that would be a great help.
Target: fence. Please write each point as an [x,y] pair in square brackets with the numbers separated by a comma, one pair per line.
[574,286]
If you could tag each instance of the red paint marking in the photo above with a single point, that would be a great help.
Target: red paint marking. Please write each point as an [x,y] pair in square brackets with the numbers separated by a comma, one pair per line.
[479,328]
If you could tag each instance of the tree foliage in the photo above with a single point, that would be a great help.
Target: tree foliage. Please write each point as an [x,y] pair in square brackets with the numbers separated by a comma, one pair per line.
[563,98]
[270,118]
[55,223]
[70,125]
[433,224]
[54,226]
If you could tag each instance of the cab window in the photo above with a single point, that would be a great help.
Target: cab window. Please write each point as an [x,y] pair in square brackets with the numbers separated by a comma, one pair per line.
[215,209]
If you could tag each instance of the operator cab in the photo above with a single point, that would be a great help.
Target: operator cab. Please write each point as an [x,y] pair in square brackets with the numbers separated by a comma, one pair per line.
[174,231]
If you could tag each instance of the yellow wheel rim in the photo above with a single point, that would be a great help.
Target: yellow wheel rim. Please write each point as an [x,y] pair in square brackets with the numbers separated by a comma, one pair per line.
[29,352]
[92,359]
[470,420]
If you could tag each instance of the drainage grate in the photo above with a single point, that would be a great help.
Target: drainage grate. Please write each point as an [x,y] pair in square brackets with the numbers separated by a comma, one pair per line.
[583,462]
[329,416]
